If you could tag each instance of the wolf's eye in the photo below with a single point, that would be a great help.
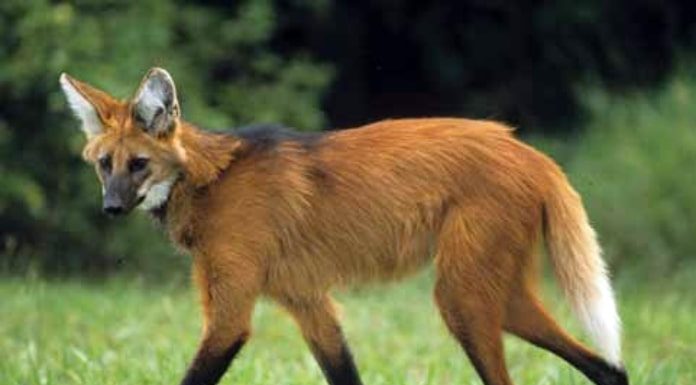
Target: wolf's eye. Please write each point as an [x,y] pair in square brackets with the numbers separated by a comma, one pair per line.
[137,164]
[105,163]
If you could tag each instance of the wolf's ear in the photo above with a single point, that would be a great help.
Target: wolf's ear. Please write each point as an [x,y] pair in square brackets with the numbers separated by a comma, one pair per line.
[155,105]
[89,104]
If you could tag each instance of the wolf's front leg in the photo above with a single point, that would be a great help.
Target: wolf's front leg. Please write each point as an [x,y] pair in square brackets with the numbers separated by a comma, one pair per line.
[227,307]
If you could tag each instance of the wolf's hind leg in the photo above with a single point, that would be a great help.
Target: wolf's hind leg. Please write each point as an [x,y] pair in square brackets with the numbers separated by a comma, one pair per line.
[527,319]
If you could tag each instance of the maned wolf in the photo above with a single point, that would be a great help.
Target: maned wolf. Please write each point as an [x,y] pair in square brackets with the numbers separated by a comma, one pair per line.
[265,211]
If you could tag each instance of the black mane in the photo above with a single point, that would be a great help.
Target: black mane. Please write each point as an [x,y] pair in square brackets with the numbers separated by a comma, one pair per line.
[263,137]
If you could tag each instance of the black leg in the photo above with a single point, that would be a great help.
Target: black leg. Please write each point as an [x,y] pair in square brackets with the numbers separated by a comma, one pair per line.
[591,365]
[208,367]
[317,320]
[596,369]
[527,319]
[338,370]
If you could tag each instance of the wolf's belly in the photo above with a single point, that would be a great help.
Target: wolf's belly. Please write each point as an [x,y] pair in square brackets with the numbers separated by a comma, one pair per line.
[314,268]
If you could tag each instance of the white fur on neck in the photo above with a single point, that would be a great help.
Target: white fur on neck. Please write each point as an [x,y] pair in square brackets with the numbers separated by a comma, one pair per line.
[81,107]
[158,194]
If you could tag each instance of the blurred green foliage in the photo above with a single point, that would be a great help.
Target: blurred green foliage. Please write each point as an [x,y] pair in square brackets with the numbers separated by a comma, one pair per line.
[631,164]
[226,72]
[634,167]
[265,61]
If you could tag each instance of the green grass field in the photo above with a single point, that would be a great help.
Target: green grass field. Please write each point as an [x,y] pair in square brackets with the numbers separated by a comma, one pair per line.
[126,332]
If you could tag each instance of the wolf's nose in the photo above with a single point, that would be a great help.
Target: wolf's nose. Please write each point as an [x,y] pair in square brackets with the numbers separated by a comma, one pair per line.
[113,209]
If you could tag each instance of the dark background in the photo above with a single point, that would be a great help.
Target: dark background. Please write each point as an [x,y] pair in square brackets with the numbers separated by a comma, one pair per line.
[606,86]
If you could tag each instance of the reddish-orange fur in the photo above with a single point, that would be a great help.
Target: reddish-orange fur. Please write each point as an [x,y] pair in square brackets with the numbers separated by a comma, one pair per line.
[371,203]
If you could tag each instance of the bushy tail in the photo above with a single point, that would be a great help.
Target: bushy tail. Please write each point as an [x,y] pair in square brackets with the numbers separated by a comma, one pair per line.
[580,269]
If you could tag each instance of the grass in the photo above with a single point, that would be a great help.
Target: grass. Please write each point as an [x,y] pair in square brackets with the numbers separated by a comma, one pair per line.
[127,332]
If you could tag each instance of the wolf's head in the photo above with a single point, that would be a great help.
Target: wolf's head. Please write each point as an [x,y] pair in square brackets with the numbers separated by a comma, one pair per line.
[134,144]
